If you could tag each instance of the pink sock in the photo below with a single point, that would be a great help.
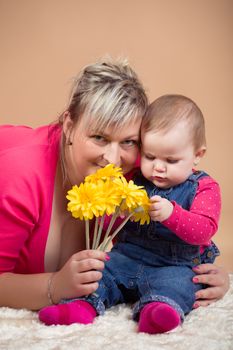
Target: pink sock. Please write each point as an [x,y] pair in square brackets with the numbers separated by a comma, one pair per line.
[158,317]
[78,311]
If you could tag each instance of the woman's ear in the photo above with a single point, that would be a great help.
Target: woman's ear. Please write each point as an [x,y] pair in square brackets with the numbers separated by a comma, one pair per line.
[199,154]
[67,127]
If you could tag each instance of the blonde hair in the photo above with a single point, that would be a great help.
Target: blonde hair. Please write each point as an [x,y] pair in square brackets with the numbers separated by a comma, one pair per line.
[168,110]
[107,93]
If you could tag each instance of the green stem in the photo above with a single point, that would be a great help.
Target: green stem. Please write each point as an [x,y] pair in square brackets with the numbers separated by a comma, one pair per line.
[110,238]
[87,233]
[95,232]
[113,219]
[99,231]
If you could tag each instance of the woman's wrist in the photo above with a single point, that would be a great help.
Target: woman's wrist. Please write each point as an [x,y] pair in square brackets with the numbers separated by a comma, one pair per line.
[51,289]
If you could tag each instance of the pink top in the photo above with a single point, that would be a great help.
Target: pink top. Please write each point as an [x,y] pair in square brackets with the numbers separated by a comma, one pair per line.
[200,223]
[28,159]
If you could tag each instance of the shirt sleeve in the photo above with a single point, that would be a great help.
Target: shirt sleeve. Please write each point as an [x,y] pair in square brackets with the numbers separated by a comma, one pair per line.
[200,223]
[19,208]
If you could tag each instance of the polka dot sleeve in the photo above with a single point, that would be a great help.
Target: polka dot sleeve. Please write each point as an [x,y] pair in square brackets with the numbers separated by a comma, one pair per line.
[200,223]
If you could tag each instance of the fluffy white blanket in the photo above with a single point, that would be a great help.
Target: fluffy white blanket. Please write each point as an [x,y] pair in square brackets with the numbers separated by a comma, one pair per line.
[208,328]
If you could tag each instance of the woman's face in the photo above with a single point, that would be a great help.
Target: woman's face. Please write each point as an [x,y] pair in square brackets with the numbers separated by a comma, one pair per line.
[91,150]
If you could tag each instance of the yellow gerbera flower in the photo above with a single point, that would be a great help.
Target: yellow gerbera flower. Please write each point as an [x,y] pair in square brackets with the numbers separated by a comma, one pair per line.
[107,192]
[82,204]
[92,199]
[108,172]
[107,195]
[141,214]
[133,196]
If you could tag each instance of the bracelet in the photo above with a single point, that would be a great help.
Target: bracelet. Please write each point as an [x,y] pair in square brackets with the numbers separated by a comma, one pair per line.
[49,294]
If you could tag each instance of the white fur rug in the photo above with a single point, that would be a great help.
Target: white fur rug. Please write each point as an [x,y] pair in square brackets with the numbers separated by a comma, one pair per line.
[208,328]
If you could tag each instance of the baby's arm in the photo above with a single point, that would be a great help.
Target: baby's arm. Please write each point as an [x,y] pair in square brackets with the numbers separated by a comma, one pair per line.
[160,209]
[197,225]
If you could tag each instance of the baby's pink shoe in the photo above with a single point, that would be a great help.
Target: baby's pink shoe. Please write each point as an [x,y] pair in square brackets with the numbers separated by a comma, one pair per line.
[78,311]
[158,317]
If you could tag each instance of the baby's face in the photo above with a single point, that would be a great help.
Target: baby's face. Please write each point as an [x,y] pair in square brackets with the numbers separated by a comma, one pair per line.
[168,158]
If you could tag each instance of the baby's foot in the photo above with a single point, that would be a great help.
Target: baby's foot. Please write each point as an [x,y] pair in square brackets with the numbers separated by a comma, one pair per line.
[78,311]
[158,317]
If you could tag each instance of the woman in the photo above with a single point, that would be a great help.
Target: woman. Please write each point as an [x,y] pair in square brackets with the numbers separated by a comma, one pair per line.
[41,247]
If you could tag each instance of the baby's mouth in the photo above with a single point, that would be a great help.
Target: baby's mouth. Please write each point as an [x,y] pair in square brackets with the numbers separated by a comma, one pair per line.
[158,178]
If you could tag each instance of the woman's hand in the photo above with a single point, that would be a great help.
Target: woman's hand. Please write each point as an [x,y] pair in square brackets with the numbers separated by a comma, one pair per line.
[218,282]
[79,276]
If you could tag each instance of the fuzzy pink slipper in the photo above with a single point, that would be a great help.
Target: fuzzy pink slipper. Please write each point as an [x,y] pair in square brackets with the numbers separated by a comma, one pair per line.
[78,311]
[158,317]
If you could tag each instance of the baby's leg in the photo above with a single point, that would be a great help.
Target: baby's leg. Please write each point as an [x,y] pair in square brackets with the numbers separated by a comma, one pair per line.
[157,317]
[167,294]
[78,311]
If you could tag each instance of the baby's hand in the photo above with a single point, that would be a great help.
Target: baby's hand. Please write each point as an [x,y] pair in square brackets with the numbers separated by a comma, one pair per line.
[160,208]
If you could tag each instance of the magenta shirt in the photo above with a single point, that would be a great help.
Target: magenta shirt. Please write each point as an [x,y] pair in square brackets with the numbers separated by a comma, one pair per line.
[28,159]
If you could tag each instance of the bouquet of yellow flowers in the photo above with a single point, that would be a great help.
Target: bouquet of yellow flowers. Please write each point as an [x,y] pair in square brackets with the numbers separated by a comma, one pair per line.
[107,192]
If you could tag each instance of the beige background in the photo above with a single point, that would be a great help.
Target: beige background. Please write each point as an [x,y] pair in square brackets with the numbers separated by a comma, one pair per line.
[181,46]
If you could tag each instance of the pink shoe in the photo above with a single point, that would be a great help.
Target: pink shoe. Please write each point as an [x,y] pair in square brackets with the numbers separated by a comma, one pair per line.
[158,317]
[78,311]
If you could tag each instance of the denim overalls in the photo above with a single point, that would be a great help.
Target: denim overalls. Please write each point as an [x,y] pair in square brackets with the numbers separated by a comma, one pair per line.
[150,263]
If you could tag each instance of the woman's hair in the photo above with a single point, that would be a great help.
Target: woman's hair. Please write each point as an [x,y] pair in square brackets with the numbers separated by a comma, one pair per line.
[107,93]
[168,110]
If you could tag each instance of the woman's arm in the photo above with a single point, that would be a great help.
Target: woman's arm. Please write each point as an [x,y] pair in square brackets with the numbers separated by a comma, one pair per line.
[79,276]
[217,280]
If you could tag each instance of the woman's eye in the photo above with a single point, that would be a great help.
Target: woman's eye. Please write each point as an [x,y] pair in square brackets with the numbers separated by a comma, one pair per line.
[130,142]
[98,138]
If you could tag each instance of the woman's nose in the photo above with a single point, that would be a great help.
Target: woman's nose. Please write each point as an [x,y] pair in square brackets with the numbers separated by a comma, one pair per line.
[112,154]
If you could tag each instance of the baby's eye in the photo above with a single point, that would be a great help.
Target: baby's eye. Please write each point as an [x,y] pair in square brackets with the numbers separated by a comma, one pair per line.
[172,161]
[149,157]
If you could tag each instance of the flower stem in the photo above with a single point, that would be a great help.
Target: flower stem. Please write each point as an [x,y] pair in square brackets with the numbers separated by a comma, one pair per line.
[95,232]
[87,233]
[99,232]
[106,242]
[113,219]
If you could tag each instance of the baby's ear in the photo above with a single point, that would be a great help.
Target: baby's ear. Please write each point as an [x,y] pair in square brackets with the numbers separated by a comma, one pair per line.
[199,154]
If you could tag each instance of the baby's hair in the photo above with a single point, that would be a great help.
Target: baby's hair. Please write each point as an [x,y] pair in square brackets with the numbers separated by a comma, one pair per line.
[107,93]
[168,110]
